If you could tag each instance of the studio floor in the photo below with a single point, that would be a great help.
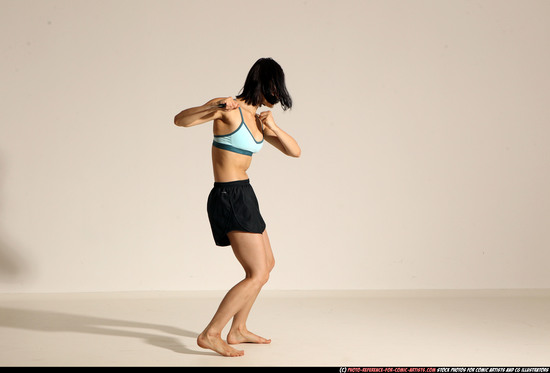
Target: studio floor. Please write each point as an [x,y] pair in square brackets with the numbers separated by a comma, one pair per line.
[454,328]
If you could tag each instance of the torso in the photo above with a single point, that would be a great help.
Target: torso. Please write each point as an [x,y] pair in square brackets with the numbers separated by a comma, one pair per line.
[227,165]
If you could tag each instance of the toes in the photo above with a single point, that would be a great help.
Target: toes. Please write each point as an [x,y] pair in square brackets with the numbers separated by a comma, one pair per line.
[234,352]
[238,353]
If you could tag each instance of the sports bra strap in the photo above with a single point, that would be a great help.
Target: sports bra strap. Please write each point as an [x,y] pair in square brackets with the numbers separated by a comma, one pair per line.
[242,118]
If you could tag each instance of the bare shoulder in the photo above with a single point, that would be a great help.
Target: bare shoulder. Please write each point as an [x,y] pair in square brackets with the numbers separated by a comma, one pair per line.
[228,121]
[228,109]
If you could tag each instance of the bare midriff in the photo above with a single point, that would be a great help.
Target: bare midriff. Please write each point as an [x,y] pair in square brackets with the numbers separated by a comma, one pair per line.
[229,166]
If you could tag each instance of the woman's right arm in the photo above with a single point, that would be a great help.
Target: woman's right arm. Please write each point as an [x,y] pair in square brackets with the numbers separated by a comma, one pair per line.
[205,113]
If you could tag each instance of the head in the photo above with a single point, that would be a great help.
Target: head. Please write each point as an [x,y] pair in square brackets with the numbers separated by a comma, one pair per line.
[265,85]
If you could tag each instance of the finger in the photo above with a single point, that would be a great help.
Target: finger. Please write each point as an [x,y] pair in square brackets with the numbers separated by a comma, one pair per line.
[232,105]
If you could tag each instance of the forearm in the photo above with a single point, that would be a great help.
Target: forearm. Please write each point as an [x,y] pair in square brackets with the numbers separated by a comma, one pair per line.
[197,115]
[288,144]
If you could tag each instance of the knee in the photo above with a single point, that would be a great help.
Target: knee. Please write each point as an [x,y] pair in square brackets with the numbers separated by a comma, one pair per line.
[264,278]
[260,278]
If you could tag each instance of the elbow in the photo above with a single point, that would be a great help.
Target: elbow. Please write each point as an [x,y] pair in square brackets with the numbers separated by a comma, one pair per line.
[178,122]
[296,154]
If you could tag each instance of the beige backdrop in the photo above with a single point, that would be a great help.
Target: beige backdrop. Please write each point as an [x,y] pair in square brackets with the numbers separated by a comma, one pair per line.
[424,128]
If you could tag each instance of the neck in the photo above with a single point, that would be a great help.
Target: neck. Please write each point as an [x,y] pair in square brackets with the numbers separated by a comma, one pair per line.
[250,108]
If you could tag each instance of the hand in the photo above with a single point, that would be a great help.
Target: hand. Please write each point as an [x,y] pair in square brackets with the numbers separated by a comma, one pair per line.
[266,118]
[230,103]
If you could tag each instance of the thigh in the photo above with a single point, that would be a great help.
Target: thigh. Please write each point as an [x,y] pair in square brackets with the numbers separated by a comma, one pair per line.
[249,248]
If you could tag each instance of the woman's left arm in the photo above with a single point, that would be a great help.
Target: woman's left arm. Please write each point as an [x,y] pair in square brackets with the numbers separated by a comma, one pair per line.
[277,137]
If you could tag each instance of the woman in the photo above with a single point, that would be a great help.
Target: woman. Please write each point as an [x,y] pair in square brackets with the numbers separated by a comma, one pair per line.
[232,206]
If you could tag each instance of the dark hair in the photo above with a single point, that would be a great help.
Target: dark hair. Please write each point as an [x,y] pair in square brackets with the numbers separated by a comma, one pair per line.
[266,79]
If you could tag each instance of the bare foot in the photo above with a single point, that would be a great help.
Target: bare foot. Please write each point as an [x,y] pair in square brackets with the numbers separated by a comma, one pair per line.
[244,336]
[217,344]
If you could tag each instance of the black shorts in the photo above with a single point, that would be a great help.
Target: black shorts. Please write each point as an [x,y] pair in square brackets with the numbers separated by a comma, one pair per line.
[233,206]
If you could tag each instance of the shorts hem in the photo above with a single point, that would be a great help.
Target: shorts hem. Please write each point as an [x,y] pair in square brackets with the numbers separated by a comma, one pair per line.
[239,229]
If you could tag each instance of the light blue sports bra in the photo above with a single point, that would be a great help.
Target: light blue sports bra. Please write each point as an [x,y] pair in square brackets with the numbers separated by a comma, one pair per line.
[239,141]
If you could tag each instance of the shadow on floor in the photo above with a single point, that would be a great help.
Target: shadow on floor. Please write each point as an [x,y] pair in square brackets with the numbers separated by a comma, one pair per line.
[48,321]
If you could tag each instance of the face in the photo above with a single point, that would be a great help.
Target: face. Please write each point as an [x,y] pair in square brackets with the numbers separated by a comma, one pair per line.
[268,104]
[271,100]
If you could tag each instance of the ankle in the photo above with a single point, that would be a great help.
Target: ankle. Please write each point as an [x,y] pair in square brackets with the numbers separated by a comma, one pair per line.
[238,329]
[211,333]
